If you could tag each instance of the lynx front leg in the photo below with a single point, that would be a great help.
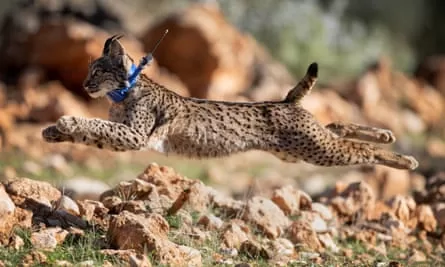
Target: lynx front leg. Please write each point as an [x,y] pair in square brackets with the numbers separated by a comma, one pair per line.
[361,132]
[97,132]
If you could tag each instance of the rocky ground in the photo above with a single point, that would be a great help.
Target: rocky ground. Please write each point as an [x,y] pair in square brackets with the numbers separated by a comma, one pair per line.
[161,217]
[89,207]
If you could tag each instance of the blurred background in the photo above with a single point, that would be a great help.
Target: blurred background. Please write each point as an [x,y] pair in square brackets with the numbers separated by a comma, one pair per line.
[381,64]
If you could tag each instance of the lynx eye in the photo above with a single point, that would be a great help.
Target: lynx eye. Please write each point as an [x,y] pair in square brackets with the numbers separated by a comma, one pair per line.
[95,72]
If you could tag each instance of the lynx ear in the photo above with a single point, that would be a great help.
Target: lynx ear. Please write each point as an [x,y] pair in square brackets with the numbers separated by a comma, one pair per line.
[113,47]
[127,62]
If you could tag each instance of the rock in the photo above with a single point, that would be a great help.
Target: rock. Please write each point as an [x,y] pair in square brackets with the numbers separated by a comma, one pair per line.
[84,188]
[24,191]
[357,199]
[290,199]
[210,222]
[425,218]
[254,250]
[33,258]
[139,261]
[328,242]
[67,204]
[435,189]
[322,210]
[63,263]
[141,231]
[301,233]
[431,71]
[148,233]
[133,206]
[172,185]
[416,256]
[48,239]
[440,216]
[227,206]
[267,216]
[205,39]
[122,254]
[281,249]
[234,233]
[317,223]
[7,216]
[111,201]
[89,209]
[87,263]
[404,209]
[16,242]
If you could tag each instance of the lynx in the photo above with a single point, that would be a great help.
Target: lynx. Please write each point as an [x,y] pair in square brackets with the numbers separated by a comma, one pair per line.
[147,116]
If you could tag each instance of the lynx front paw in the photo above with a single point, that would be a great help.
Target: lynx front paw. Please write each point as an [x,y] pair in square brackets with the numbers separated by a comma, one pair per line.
[52,135]
[67,124]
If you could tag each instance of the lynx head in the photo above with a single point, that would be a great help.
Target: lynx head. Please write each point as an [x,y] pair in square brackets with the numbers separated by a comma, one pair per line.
[110,71]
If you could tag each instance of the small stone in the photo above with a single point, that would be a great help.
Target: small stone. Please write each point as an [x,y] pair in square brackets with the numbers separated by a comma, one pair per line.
[49,238]
[88,263]
[328,242]
[234,233]
[425,218]
[16,242]
[7,216]
[210,222]
[231,252]
[62,263]
[416,256]
[323,210]
[404,208]
[301,233]
[253,250]
[267,216]
[67,204]
[139,261]
[111,201]
[290,199]
[133,206]
[90,208]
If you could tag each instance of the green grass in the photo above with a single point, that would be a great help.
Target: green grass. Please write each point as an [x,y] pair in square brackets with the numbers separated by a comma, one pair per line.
[74,249]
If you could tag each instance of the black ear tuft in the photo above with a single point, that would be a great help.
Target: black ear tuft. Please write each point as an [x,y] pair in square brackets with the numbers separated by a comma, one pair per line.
[110,44]
[313,70]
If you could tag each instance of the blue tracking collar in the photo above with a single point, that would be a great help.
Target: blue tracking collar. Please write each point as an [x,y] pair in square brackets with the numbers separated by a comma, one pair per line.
[118,95]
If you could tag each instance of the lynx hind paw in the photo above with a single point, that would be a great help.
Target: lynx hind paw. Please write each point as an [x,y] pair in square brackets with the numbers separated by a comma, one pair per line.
[52,135]
[386,136]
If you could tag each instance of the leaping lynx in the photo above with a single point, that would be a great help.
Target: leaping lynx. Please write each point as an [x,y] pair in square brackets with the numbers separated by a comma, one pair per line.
[148,116]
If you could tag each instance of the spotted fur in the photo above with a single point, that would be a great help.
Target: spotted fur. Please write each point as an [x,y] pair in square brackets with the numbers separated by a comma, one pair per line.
[155,118]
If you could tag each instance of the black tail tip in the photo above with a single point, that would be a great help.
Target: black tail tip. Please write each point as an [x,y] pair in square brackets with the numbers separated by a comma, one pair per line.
[313,70]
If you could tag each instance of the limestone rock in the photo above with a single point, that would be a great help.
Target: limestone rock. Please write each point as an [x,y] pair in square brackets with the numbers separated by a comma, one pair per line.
[147,233]
[7,216]
[32,195]
[234,233]
[357,199]
[48,239]
[301,233]
[290,200]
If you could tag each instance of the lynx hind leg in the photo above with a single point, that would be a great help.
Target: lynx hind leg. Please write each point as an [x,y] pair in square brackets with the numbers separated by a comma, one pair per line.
[361,132]
[395,160]
[304,86]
